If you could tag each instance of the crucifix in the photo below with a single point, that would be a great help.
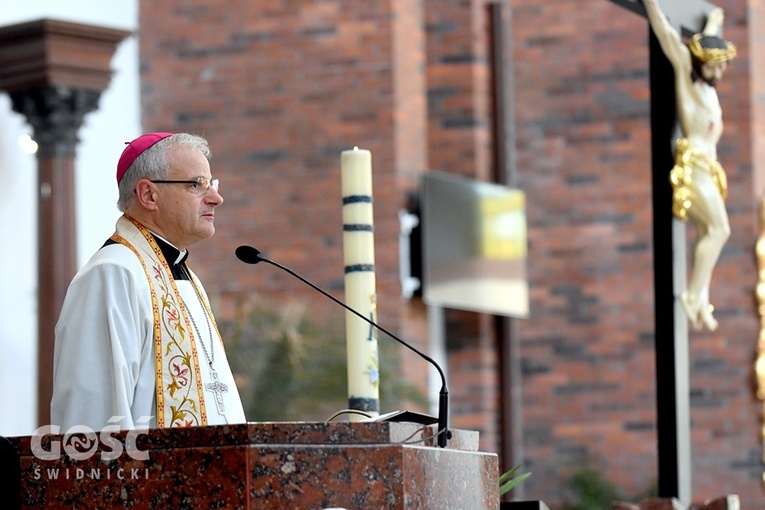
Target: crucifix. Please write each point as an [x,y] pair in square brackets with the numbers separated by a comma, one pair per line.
[673,307]
[217,388]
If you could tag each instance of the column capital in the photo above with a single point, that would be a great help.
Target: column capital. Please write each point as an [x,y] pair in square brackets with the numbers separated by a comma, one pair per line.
[55,114]
[50,52]
[54,72]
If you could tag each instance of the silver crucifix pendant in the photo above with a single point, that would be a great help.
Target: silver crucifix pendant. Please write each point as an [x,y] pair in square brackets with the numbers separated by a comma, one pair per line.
[217,388]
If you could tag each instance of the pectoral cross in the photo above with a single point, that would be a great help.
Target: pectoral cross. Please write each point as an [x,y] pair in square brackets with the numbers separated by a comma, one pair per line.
[218,388]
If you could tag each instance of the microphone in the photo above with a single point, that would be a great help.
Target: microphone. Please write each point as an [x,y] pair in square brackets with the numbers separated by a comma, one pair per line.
[250,255]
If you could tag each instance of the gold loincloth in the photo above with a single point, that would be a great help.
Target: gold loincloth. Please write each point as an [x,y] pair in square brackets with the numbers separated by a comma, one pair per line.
[681,177]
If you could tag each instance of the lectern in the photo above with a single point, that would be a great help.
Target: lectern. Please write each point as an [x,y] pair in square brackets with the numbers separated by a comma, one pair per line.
[380,465]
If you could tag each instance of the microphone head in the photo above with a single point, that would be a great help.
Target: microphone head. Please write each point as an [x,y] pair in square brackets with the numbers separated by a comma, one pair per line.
[248,254]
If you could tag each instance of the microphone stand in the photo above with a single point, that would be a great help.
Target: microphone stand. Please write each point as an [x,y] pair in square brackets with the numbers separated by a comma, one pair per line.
[251,255]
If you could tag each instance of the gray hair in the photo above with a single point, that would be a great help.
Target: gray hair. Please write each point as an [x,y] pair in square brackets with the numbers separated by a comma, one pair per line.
[152,164]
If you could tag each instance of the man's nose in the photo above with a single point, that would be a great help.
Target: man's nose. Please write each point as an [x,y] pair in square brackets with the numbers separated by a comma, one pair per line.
[213,196]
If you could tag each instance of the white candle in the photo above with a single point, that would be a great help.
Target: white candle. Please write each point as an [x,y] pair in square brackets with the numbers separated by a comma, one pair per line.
[360,293]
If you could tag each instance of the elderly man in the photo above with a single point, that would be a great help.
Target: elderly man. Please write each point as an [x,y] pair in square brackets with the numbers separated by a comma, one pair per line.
[136,342]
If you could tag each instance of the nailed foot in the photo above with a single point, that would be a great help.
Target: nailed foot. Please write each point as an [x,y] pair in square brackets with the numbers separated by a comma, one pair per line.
[698,312]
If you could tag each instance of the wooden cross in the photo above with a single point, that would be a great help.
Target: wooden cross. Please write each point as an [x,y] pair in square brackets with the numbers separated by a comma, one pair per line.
[671,343]
[687,16]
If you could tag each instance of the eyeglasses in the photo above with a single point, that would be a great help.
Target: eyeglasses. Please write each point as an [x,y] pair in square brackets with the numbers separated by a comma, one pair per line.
[198,184]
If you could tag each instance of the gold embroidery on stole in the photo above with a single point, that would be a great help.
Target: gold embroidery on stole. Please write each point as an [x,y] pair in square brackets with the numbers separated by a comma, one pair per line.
[180,398]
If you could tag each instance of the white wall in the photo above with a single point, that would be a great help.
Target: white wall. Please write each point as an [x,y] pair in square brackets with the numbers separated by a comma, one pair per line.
[102,138]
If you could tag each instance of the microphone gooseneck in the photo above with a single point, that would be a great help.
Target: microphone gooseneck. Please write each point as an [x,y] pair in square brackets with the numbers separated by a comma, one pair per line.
[251,255]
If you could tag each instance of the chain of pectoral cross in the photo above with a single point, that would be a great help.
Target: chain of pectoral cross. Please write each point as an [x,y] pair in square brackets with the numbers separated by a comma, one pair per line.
[216,387]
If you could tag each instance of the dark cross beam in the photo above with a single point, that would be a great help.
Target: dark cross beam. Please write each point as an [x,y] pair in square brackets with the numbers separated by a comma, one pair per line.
[687,16]
[669,251]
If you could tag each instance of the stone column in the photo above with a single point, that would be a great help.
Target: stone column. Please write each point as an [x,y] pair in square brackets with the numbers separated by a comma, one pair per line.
[54,72]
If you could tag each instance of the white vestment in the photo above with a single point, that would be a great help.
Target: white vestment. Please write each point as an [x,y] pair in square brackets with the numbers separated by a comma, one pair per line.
[104,359]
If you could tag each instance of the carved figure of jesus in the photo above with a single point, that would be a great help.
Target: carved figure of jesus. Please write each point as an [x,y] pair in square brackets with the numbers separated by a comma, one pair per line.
[698,180]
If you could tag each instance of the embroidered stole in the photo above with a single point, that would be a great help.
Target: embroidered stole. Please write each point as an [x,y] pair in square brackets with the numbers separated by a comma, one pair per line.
[180,397]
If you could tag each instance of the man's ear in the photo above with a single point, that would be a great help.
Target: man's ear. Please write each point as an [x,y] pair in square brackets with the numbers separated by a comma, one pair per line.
[146,194]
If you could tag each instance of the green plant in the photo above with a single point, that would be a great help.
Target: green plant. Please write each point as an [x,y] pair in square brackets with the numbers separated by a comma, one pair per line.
[508,480]
[290,368]
[591,490]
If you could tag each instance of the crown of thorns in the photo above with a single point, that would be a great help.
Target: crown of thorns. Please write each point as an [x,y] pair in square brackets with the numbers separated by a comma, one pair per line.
[718,55]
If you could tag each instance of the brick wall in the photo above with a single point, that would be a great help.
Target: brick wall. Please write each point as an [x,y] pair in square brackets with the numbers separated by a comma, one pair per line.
[281,88]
